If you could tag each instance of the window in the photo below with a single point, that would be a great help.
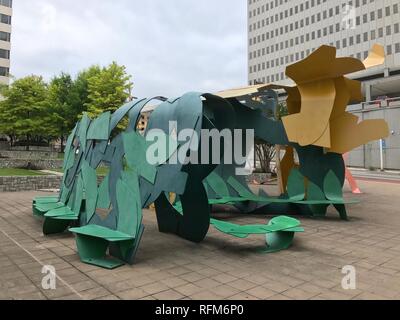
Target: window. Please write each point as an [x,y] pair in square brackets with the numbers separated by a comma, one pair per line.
[4,72]
[389,50]
[5,36]
[5,19]
[372,15]
[6,3]
[4,54]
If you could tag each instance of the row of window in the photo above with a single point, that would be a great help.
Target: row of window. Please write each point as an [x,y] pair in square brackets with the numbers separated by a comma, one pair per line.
[4,54]
[299,56]
[299,8]
[4,72]
[314,19]
[5,18]
[295,10]
[5,36]
[357,39]
[6,3]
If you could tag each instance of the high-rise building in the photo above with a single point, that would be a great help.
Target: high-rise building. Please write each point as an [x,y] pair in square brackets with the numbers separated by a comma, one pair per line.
[5,39]
[282,32]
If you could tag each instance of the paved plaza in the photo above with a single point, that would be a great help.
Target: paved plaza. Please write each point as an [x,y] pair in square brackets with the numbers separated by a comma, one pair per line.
[221,267]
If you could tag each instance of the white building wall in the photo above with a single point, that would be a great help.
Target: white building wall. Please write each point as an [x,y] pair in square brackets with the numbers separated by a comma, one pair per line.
[5,39]
[282,32]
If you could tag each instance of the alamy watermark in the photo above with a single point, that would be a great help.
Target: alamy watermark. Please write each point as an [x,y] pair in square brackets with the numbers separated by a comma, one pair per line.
[210,147]
[49,280]
[349,281]
[349,17]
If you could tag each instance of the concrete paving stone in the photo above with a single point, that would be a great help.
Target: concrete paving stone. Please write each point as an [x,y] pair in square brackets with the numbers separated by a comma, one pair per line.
[168,295]
[188,289]
[205,295]
[223,278]
[148,298]
[94,293]
[178,271]
[109,298]
[225,291]
[221,267]
[154,288]
[116,287]
[207,283]
[29,296]
[242,296]
[59,292]
[257,279]
[173,282]
[84,285]
[242,285]
[132,294]
[261,292]
[192,276]
[159,275]
[311,288]
[299,294]
[69,297]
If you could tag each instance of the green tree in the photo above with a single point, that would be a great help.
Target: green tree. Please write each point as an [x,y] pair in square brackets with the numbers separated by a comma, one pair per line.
[80,90]
[108,90]
[24,112]
[61,99]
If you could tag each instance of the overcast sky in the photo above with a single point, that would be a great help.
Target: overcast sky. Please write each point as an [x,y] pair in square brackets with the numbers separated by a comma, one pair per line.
[168,46]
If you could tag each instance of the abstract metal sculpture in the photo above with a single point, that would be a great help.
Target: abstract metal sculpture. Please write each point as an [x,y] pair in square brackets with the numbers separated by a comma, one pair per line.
[108,215]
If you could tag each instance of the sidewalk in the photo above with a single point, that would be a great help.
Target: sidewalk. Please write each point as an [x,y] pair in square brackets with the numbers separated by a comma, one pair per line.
[384,176]
[220,267]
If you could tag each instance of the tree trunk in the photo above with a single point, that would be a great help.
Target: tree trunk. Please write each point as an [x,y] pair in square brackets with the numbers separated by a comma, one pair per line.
[265,154]
[62,143]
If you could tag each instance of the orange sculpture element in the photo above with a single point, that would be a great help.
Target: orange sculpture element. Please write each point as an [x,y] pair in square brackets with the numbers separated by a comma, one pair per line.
[286,165]
[317,105]
[350,179]
[324,96]
[376,57]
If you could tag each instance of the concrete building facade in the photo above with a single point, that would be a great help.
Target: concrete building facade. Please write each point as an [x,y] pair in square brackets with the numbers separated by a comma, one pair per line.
[5,39]
[282,32]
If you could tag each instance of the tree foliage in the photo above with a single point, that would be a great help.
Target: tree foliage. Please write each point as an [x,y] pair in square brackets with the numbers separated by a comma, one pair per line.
[108,89]
[32,110]
[61,97]
[24,111]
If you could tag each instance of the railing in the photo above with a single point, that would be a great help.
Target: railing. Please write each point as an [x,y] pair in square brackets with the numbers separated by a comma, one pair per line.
[381,103]
[374,104]
[393,102]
